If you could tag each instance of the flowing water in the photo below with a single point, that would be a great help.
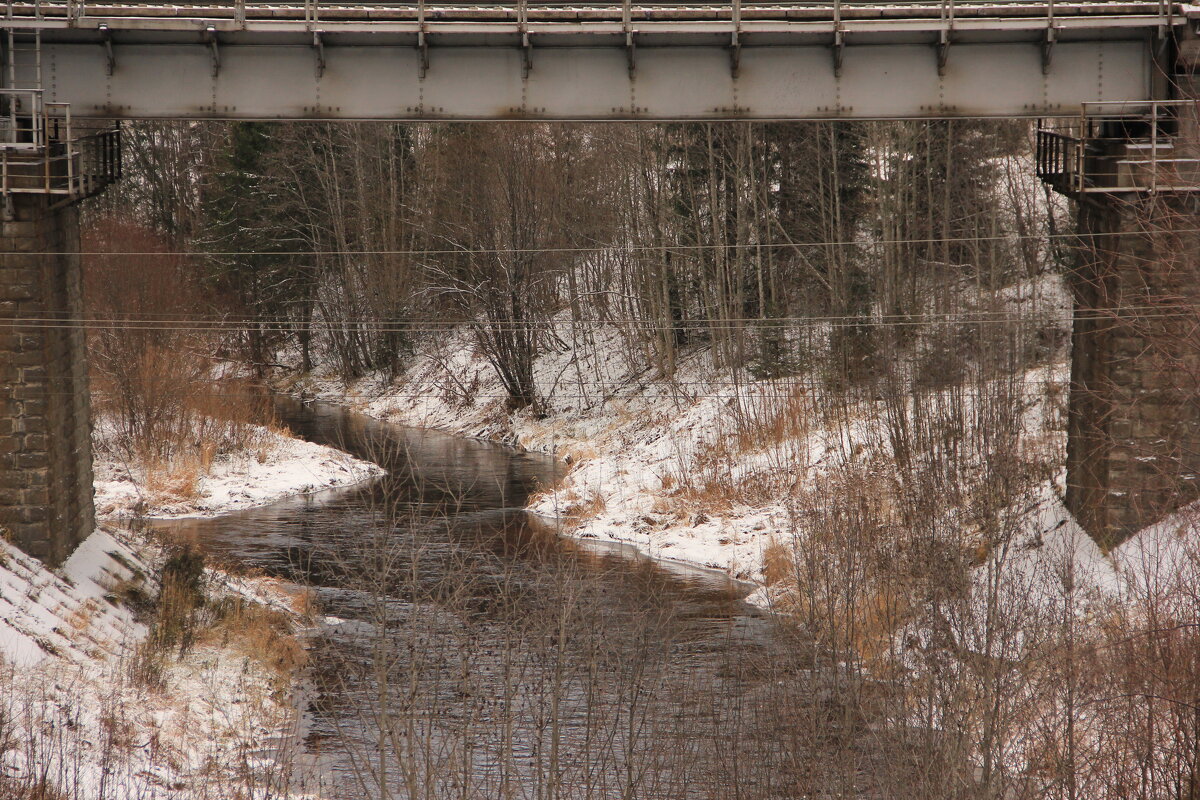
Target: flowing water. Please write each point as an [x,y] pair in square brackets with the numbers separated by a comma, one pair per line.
[469,651]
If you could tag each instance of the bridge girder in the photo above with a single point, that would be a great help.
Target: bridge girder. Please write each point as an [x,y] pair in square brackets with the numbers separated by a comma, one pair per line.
[199,64]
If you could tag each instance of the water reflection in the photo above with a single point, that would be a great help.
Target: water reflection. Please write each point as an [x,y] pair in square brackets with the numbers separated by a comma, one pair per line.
[472,652]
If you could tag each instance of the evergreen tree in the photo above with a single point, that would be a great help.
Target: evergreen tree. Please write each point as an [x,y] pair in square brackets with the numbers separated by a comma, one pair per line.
[250,242]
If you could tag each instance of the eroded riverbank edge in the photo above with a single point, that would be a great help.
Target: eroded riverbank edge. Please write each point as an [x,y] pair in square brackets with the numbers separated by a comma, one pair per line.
[279,466]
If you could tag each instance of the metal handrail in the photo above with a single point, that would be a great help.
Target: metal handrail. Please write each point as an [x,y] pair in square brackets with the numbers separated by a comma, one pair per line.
[1120,146]
[51,159]
[943,10]
[25,130]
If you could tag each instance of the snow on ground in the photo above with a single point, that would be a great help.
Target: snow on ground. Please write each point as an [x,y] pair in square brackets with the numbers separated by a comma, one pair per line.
[1162,559]
[280,466]
[79,708]
[85,707]
[680,468]
[66,613]
[1056,557]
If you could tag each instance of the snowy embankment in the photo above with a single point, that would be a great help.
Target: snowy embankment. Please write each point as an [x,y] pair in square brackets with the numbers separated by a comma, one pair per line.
[278,466]
[702,468]
[81,714]
[626,436]
[91,704]
[696,468]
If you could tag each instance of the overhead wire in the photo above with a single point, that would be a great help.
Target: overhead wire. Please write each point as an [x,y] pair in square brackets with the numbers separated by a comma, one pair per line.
[601,246]
[1182,311]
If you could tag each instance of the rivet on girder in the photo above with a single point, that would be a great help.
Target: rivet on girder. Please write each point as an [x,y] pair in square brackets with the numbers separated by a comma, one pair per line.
[210,35]
[319,49]
[110,62]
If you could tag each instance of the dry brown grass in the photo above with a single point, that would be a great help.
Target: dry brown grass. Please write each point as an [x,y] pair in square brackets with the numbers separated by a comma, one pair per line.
[262,634]
[716,483]
[575,453]
[81,618]
[784,414]
[165,404]
[777,563]
[28,789]
[176,479]
[584,510]
[759,445]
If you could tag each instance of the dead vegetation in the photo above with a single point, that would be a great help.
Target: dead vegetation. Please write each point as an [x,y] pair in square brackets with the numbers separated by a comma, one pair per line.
[166,403]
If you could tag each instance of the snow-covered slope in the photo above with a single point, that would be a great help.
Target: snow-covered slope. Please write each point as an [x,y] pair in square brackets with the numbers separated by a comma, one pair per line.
[279,467]
[87,710]
[77,716]
[702,467]
[73,612]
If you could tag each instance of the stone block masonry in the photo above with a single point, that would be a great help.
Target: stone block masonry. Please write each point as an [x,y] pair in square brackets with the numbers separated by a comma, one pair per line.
[1133,451]
[45,440]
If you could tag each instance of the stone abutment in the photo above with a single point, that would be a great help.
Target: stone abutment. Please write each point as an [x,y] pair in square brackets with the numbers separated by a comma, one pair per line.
[1133,451]
[46,503]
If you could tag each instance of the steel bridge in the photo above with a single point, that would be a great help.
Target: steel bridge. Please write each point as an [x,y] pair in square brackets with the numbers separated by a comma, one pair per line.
[594,61]
[72,69]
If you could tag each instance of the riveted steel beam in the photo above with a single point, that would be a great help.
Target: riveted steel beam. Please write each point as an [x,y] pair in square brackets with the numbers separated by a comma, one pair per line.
[365,82]
[745,60]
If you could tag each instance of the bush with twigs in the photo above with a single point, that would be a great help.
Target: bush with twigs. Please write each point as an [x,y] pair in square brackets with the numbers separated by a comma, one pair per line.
[163,398]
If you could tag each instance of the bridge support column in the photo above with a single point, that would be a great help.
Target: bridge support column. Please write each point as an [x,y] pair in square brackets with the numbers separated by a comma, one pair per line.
[45,444]
[1133,450]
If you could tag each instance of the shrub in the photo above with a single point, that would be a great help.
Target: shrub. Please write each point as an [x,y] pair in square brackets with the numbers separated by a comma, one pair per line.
[164,398]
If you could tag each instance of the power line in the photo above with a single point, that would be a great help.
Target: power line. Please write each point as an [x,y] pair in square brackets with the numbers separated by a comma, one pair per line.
[617,247]
[753,391]
[1038,313]
[751,326]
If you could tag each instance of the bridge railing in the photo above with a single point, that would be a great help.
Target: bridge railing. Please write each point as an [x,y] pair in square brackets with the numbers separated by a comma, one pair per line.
[1142,147]
[45,153]
[315,11]
[1058,157]
[22,118]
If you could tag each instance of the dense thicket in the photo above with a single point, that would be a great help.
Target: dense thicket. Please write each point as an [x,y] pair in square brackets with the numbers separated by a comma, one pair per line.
[685,235]
[888,270]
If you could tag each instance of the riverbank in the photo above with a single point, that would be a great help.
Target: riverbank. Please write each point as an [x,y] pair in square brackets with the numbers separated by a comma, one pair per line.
[278,465]
[708,466]
[622,435]
[728,473]
[96,702]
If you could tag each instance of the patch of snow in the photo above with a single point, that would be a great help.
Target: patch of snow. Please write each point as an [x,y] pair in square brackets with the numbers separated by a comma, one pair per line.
[1162,559]
[71,710]
[282,466]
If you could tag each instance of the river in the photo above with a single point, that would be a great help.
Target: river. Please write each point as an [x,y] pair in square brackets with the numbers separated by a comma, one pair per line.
[472,652]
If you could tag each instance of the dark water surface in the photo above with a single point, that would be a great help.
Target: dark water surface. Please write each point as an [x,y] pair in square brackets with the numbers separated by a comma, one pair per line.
[472,652]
